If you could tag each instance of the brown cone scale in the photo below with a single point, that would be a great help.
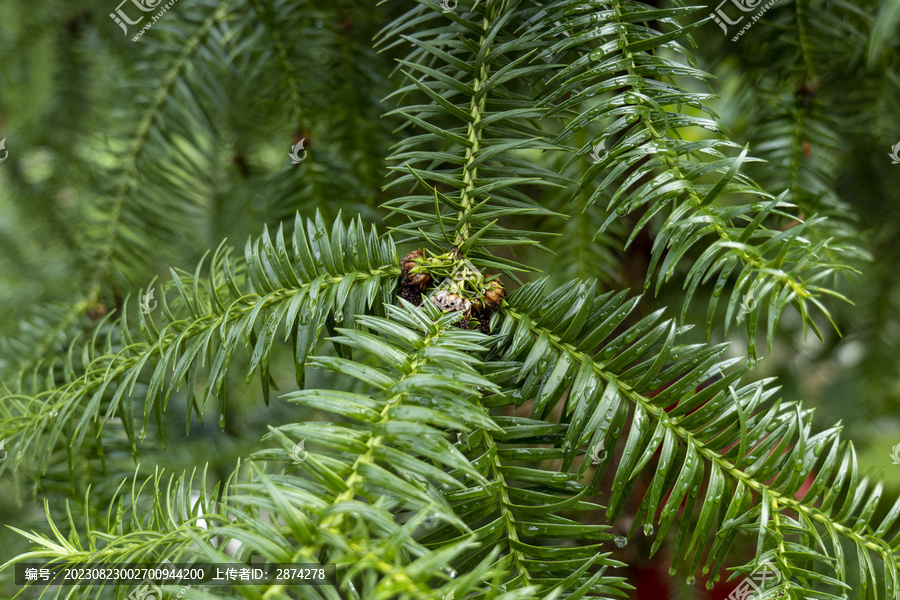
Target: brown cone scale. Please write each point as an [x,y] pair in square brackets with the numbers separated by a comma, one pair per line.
[412,284]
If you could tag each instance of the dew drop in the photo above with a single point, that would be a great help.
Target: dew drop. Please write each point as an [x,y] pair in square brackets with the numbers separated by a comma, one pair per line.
[690,580]
[621,541]
[222,421]
[820,445]
[648,529]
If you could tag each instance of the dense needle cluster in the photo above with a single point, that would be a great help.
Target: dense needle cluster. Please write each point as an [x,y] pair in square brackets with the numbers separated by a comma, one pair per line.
[477,305]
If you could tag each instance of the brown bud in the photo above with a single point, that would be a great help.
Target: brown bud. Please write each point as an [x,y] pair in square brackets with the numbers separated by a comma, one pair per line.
[96,312]
[416,280]
[494,293]
[407,262]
